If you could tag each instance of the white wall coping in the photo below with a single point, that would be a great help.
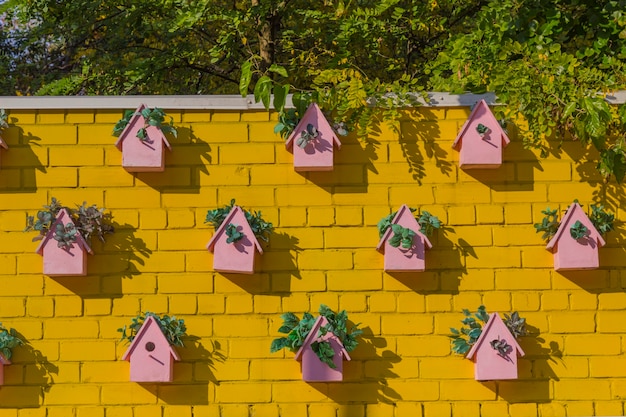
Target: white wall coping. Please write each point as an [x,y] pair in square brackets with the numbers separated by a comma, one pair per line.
[215,102]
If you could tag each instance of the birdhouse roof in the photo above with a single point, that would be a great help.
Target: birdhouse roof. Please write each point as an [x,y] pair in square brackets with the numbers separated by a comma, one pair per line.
[4,360]
[404,216]
[314,116]
[575,213]
[150,328]
[138,118]
[313,336]
[494,328]
[62,217]
[481,110]
[237,216]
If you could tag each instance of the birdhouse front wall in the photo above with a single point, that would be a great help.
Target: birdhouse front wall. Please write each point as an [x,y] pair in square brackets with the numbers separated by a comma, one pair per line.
[314,370]
[151,361]
[481,151]
[570,253]
[400,259]
[146,155]
[488,363]
[239,256]
[64,262]
[316,156]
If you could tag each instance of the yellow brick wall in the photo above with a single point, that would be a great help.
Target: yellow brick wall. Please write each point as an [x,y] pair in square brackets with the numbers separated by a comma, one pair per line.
[323,251]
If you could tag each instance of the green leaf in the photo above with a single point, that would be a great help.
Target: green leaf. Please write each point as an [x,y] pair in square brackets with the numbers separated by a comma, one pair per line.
[280,98]
[262,91]
[277,69]
[246,77]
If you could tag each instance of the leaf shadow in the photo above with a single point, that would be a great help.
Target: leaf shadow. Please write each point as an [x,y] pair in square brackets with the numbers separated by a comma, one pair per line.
[20,161]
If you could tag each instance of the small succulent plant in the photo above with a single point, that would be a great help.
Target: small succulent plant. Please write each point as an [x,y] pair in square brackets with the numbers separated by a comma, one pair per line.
[549,224]
[297,330]
[578,230]
[89,221]
[173,329]
[307,136]
[233,234]
[464,338]
[261,229]
[601,220]
[152,117]
[428,223]
[482,129]
[8,340]
[401,236]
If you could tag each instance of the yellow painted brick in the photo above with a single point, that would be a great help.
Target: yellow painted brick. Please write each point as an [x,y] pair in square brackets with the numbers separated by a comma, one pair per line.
[355,195]
[267,304]
[182,304]
[422,346]
[226,116]
[140,284]
[609,408]
[302,238]
[461,215]
[499,301]
[275,370]
[292,216]
[407,324]
[302,196]
[347,175]
[350,237]
[246,326]
[611,301]
[591,279]
[80,116]
[182,240]
[70,306]
[494,409]
[137,198]
[125,394]
[153,219]
[119,412]
[466,409]
[354,280]
[515,236]
[57,177]
[398,196]
[90,412]
[109,371]
[353,302]
[97,307]
[263,131]
[611,321]
[228,392]
[327,298]
[380,302]
[239,304]
[278,174]
[607,367]
[520,279]
[525,301]
[349,216]
[552,410]
[189,116]
[154,303]
[80,329]
[599,344]
[36,157]
[320,216]
[251,199]
[19,397]
[174,177]
[523,410]
[40,306]
[191,283]
[66,156]
[434,409]
[13,307]
[50,116]
[22,116]
[554,300]
[51,135]
[104,177]
[165,262]
[240,154]
[324,260]
[408,409]
[563,192]
[593,390]
[73,394]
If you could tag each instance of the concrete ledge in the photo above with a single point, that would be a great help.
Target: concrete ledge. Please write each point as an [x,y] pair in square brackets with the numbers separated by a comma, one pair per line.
[224,102]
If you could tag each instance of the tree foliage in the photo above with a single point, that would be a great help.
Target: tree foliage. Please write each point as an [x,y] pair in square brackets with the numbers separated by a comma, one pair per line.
[552,62]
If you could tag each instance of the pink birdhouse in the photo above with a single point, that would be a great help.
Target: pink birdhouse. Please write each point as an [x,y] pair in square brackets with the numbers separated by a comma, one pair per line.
[313,369]
[142,155]
[570,253]
[489,363]
[401,259]
[150,355]
[3,361]
[481,140]
[236,256]
[63,261]
[316,153]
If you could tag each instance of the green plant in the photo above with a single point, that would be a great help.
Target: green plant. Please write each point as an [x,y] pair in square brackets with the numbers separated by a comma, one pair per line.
[307,136]
[260,227]
[428,223]
[482,129]
[4,120]
[297,330]
[466,336]
[233,234]
[578,230]
[152,117]
[173,329]
[401,235]
[549,224]
[8,340]
[89,221]
[601,220]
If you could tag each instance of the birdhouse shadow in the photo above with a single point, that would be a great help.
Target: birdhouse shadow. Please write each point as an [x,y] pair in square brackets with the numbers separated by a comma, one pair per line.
[365,376]
[20,161]
[535,371]
[113,260]
[352,165]
[445,266]
[192,387]
[184,165]
[276,267]
[594,281]
[418,141]
[28,378]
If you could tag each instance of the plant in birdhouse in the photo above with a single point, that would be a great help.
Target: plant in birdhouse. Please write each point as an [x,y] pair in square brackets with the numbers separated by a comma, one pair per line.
[482,129]
[307,136]
[427,222]
[152,117]
[72,229]
[261,228]
[172,328]
[401,236]
[8,340]
[4,120]
[578,247]
[233,234]
[322,340]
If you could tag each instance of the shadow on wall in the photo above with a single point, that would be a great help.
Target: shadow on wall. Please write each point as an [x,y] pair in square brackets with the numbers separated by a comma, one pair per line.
[20,161]
[112,261]
[422,126]
[274,270]
[27,379]
[445,266]
[353,162]
[193,387]
[189,157]
[365,376]
[535,372]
